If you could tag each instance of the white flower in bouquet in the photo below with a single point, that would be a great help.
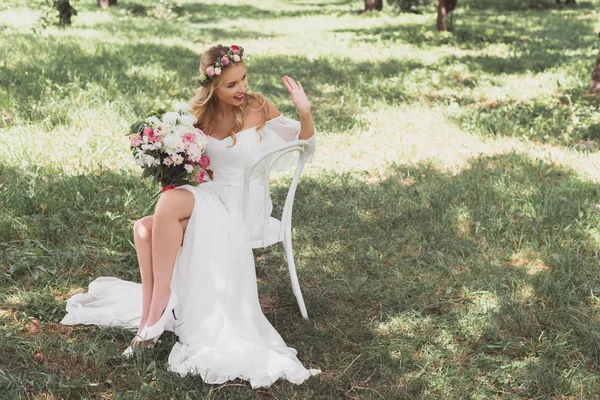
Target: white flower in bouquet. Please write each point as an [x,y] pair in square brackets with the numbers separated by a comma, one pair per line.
[187,120]
[170,118]
[146,160]
[182,108]
[180,130]
[153,122]
[151,146]
[173,144]
[194,152]
[189,168]
[177,159]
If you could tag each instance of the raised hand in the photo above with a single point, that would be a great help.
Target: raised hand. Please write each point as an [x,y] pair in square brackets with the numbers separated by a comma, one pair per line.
[297,94]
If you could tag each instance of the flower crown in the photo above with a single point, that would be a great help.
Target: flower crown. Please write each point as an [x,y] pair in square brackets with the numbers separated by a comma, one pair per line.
[234,54]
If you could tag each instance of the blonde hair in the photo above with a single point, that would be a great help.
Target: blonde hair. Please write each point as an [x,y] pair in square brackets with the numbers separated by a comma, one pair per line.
[204,105]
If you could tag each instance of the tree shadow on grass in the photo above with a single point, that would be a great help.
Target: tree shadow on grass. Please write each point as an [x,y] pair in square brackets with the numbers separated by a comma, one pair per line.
[539,36]
[566,117]
[142,74]
[138,26]
[418,273]
[338,89]
[426,271]
[70,73]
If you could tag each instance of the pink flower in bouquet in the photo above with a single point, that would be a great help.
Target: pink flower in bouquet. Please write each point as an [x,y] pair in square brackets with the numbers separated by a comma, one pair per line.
[189,138]
[200,177]
[235,49]
[149,132]
[224,61]
[160,129]
[135,140]
[204,162]
[168,161]
[210,71]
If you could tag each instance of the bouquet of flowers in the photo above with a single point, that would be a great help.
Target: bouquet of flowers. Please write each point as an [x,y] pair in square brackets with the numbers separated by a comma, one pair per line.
[170,148]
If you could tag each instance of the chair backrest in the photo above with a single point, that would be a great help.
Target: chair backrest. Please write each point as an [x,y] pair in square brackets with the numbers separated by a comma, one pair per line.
[269,158]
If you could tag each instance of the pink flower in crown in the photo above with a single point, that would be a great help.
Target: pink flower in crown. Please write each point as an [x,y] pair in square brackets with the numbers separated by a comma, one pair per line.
[204,162]
[189,138]
[200,177]
[210,71]
[235,49]
[224,61]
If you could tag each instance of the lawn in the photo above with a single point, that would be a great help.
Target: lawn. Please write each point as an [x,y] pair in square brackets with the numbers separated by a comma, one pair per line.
[447,233]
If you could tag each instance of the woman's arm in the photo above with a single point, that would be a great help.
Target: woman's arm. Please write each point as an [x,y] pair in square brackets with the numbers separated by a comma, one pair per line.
[307,125]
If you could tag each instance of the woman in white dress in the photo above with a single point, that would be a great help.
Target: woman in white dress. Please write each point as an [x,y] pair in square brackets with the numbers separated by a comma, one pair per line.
[195,254]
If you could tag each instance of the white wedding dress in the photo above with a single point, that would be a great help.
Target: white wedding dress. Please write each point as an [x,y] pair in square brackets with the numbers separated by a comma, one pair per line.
[222,332]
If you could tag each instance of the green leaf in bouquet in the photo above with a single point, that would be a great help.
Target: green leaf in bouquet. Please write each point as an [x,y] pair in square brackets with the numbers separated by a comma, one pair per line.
[136,127]
[158,113]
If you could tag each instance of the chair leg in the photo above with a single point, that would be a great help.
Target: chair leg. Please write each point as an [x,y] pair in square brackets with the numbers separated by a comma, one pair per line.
[287,246]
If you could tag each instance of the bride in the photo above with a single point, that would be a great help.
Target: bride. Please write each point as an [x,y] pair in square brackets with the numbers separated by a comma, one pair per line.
[195,254]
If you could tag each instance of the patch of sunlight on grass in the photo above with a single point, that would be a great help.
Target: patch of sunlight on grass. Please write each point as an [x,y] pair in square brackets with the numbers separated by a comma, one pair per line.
[407,323]
[483,302]
[595,236]
[524,87]
[474,324]
[85,152]
[525,292]
[417,133]
[530,261]
[149,71]
[403,134]
[19,19]
[463,220]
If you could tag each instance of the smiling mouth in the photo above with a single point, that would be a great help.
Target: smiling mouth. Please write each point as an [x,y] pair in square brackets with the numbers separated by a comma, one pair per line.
[240,97]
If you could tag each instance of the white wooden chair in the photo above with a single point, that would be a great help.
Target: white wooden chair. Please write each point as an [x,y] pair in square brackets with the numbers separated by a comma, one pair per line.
[274,230]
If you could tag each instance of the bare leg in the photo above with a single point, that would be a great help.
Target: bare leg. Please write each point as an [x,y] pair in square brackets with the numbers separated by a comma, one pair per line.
[142,235]
[167,235]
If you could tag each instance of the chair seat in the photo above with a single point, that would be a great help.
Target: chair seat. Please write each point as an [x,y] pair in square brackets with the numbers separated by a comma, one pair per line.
[273,235]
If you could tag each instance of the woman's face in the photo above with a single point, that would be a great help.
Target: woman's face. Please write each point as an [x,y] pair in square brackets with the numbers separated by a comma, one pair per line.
[233,84]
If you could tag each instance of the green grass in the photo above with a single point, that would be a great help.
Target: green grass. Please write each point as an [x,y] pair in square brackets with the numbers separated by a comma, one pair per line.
[447,234]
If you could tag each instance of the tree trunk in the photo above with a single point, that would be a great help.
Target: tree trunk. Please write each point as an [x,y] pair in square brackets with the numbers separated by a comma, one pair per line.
[371,5]
[65,11]
[595,82]
[106,3]
[445,7]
